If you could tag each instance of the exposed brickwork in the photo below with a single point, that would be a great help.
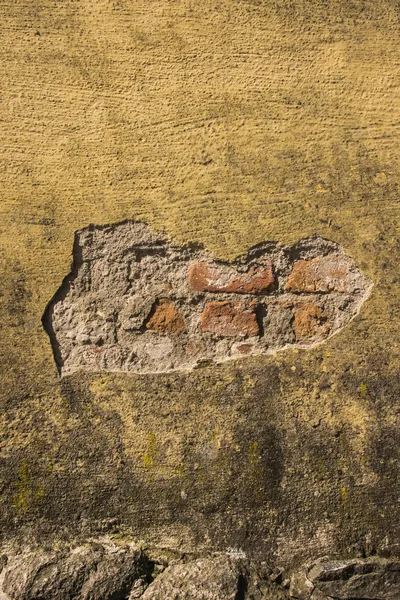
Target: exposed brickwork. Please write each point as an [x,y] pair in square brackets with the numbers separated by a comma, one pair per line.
[321,274]
[137,302]
[209,277]
[230,319]
[167,318]
[310,321]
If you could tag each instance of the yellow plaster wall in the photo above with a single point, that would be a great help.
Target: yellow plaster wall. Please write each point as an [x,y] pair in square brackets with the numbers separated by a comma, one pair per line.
[222,122]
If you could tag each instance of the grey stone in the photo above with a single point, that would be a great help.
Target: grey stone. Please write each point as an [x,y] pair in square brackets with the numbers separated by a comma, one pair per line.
[373,579]
[138,588]
[3,561]
[300,586]
[334,569]
[317,595]
[85,573]
[214,578]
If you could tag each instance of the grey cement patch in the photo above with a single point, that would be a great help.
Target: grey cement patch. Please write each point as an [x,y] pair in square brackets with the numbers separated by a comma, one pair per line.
[136,302]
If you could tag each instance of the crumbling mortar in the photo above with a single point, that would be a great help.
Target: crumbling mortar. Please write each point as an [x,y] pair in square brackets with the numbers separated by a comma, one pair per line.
[235,317]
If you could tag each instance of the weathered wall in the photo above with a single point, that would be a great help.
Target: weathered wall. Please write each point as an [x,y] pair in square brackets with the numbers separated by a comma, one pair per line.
[226,124]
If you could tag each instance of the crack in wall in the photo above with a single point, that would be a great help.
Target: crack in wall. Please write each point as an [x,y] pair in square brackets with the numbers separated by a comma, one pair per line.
[135,301]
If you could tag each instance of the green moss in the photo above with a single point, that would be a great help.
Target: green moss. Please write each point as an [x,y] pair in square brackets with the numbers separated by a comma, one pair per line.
[20,499]
[256,471]
[149,458]
[254,455]
[28,492]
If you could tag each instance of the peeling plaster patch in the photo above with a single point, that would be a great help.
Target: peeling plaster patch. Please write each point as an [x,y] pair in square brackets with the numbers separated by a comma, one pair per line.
[135,301]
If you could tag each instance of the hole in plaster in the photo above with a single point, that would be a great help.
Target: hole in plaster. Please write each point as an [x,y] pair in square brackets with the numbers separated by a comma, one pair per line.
[135,301]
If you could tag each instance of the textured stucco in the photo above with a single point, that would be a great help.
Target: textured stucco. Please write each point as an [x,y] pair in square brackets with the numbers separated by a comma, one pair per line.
[224,123]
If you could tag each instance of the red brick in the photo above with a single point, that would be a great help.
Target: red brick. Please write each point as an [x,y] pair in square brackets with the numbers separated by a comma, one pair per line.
[166,318]
[245,348]
[230,319]
[210,277]
[322,274]
[310,322]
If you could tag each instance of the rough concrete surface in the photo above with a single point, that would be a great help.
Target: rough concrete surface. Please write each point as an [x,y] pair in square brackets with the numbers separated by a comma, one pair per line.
[221,124]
